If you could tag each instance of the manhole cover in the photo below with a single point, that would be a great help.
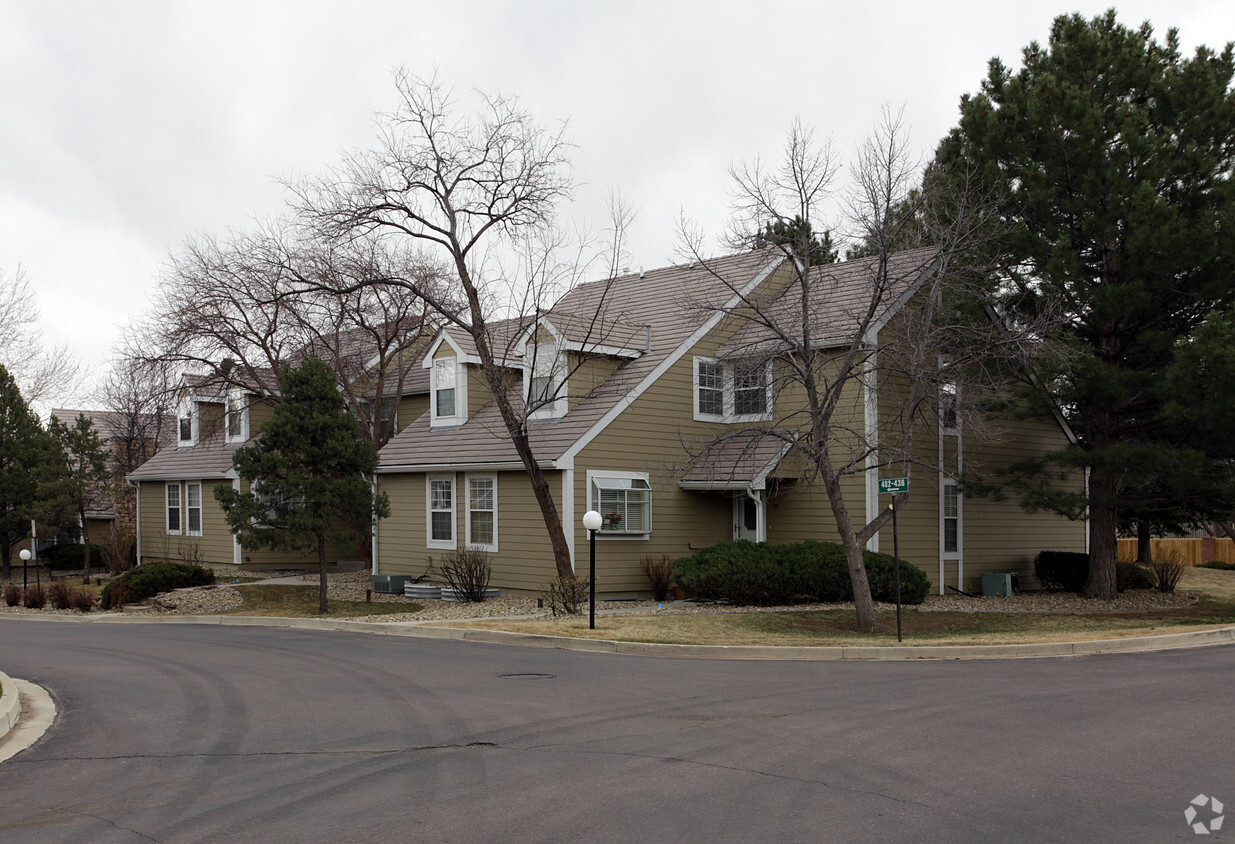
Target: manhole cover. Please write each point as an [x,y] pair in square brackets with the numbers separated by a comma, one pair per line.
[527,676]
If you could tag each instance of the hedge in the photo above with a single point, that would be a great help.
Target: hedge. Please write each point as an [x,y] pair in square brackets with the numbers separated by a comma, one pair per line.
[70,556]
[766,574]
[151,579]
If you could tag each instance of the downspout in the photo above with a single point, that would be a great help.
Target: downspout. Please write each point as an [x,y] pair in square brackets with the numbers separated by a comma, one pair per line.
[568,510]
[373,537]
[761,524]
[137,519]
[870,404]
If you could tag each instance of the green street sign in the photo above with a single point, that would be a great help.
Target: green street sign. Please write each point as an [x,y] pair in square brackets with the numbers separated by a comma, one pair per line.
[891,486]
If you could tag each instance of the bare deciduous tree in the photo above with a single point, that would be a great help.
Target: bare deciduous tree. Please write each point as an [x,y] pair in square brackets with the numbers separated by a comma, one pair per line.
[42,373]
[477,192]
[901,332]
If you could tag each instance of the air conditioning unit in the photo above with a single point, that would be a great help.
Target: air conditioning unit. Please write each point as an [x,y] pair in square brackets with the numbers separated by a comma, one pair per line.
[998,584]
[390,584]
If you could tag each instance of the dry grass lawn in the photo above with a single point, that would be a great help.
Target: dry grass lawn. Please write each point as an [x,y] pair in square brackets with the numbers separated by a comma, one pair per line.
[835,627]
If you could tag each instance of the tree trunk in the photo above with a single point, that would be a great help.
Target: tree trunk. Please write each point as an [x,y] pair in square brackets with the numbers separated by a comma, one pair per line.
[1103,520]
[85,538]
[1144,548]
[321,574]
[863,604]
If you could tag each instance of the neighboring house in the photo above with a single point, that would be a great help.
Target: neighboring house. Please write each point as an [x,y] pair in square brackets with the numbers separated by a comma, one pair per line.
[627,377]
[131,439]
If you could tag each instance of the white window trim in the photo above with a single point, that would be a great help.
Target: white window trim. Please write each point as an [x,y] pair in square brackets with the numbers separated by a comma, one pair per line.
[189,408]
[481,546]
[952,390]
[727,376]
[167,508]
[436,420]
[944,483]
[201,510]
[556,408]
[240,397]
[453,543]
[643,536]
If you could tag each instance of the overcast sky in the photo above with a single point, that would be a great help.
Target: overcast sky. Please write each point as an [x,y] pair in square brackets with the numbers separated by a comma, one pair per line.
[128,126]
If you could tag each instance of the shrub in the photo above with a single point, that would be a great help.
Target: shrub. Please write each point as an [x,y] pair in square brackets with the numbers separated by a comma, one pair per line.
[767,575]
[82,600]
[12,594]
[70,556]
[659,572]
[1168,567]
[1132,576]
[59,593]
[566,595]
[467,571]
[151,579]
[1061,571]
[119,555]
[1217,564]
[34,598]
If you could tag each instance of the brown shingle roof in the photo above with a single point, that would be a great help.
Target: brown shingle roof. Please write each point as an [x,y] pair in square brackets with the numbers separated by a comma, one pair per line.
[738,462]
[210,458]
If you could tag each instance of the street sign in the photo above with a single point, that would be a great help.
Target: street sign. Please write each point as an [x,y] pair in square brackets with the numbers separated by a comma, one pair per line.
[891,486]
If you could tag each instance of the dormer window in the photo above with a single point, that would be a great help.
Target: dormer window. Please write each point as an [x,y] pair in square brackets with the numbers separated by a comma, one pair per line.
[237,419]
[949,404]
[186,421]
[545,374]
[733,391]
[447,397]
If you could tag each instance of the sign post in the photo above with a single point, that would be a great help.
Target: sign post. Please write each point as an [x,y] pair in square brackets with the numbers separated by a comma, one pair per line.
[894,487]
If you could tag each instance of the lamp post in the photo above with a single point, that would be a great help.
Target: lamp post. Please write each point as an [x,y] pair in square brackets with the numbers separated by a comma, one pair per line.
[25,558]
[591,521]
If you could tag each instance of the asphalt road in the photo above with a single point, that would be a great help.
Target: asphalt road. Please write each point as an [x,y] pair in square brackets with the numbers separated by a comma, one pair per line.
[186,733]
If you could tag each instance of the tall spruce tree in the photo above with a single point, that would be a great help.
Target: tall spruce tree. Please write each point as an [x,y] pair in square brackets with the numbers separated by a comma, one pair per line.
[309,473]
[1112,156]
[25,454]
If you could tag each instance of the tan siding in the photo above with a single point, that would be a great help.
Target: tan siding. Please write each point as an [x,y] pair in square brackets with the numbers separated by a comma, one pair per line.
[259,414]
[588,374]
[412,408]
[213,546]
[478,393]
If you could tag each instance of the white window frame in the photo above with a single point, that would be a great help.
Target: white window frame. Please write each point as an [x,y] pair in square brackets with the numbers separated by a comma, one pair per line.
[595,480]
[452,543]
[188,410]
[167,508]
[546,360]
[438,373]
[944,485]
[236,398]
[949,407]
[728,381]
[188,508]
[471,542]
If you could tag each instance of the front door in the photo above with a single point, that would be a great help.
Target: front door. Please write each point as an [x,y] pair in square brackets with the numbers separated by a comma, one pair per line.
[746,518]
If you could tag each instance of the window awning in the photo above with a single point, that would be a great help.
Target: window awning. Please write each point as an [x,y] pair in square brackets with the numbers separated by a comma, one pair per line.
[736,463]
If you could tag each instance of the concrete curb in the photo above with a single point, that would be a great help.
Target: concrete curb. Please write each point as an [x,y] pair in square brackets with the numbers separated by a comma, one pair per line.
[1133,644]
[10,704]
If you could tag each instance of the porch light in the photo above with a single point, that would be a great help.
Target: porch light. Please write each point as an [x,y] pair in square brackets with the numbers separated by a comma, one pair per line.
[25,558]
[591,522]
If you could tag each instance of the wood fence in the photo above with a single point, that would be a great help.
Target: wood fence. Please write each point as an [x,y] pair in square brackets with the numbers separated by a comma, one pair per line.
[1191,551]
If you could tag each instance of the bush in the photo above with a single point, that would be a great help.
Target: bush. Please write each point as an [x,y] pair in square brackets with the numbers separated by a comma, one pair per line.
[1061,571]
[82,600]
[70,556]
[745,573]
[659,572]
[151,579]
[34,598]
[566,595]
[1132,576]
[12,595]
[59,593]
[1168,567]
[119,555]
[467,571]
[1217,564]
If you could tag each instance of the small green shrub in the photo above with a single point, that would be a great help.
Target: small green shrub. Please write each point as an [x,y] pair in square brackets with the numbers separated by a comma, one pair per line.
[745,573]
[12,594]
[1217,564]
[151,579]
[1061,571]
[566,595]
[34,598]
[1131,576]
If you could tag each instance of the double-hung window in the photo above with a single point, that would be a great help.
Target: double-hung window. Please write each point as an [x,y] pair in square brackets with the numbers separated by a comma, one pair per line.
[482,512]
[624,501]
[546,380]
[193,508]
[186,429]
[440,491]
[738,391]
[445,390]
[237,418]
[949,407]
[951,518]
[173,508]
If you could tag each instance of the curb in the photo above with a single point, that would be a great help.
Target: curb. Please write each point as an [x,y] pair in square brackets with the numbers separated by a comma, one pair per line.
[10,704]
[1132,644]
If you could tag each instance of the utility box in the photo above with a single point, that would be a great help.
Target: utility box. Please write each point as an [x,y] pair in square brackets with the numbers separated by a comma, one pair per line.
[390,584]
[998,584]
